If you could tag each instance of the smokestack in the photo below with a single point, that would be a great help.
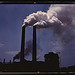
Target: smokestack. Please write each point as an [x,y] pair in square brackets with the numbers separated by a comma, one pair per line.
[22,44]
[34,49]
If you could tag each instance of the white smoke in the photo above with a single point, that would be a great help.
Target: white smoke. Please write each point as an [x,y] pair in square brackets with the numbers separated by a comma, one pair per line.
[41,20]
[60,18]
[66,14]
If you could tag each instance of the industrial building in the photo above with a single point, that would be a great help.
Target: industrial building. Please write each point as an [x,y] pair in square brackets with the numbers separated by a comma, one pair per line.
[51,62]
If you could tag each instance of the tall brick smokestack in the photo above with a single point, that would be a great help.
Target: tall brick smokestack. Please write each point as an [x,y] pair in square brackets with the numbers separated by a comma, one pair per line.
[22,44]
[34,49]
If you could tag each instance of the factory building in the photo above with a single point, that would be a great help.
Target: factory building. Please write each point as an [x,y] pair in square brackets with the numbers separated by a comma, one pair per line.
[51,59]
[51,62]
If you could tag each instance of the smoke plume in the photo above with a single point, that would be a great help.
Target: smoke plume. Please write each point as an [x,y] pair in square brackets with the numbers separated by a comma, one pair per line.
[28,50]
[59,18]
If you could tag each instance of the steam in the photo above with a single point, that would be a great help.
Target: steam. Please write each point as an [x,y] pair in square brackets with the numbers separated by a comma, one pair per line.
[66,14]
[42,20]
[59,18]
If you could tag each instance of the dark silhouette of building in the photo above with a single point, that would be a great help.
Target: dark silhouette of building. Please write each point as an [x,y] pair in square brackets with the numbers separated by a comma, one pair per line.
[4,61]
[52,61]
[34,49]
[50,64]
[10,61]
[22,45]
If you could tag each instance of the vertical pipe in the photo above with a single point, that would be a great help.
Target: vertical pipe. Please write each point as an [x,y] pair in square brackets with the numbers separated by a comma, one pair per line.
[22,44]
[34,49]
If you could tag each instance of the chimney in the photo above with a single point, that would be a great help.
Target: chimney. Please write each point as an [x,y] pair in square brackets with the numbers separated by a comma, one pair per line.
[34,49]
[22,44]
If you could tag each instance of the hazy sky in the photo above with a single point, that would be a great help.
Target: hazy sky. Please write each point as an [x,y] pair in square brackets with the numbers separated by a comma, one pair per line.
[11,19]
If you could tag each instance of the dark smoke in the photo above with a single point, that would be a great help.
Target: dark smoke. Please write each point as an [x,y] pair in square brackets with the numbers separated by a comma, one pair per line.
[28,50]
